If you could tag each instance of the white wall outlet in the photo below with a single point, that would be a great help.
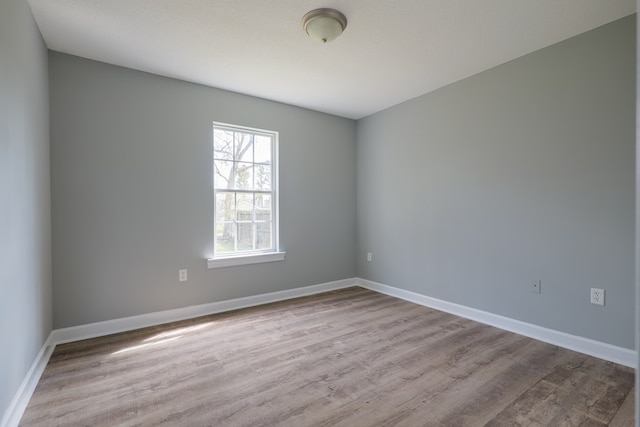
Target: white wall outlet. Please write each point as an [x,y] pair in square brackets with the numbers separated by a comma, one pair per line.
[536,286]
[369,256]
[182,275]
[597,296]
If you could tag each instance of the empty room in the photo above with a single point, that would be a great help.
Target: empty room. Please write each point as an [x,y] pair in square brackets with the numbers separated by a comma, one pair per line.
[304,213]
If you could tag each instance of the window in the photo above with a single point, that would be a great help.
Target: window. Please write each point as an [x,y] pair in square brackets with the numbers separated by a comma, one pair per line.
[245,196]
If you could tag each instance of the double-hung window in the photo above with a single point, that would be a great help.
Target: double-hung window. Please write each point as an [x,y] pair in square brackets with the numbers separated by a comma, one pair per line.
[246,196]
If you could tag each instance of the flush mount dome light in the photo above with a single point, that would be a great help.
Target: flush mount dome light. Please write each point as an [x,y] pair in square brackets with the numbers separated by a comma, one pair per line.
[324,25]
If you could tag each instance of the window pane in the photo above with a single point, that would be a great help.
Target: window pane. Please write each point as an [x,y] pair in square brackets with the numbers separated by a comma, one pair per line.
[244,170]
[244,207]
[245,236]
[222,144]
[244,176]
[224,176]
[263,207]
[262,148]
[244,147]
[263,235]
[263,177]
[225,237]
[225,207]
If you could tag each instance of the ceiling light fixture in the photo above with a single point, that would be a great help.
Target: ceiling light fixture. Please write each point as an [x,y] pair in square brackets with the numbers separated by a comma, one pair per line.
[324,25]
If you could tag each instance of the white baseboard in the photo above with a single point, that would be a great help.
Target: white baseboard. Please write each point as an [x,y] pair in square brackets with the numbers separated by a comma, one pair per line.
[16,408]
[612,353]
[93,330]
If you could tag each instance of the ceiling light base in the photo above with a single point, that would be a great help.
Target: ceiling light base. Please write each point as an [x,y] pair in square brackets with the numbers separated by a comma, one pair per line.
[324,25]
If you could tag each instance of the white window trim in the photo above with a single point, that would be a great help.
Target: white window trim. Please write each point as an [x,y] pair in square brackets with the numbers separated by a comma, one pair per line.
[245,259]
[230,260]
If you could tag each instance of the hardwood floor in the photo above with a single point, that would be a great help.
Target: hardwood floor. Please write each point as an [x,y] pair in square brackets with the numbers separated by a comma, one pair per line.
[345,358]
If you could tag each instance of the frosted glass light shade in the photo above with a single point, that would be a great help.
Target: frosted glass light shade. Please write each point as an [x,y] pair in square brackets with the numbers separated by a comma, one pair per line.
[324,25]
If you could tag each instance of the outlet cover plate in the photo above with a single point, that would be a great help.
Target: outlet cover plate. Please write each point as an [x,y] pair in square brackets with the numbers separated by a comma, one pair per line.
[597,296]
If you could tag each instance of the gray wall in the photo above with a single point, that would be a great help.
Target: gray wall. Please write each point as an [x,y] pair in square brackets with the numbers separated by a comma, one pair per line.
[637,247]
[132,193]
[523,172]
[25,232]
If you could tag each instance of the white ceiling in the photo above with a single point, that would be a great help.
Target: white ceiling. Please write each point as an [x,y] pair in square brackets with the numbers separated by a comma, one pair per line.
[391,51]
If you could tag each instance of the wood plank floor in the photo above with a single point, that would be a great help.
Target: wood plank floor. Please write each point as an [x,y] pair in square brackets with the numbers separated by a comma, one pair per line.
[345,358]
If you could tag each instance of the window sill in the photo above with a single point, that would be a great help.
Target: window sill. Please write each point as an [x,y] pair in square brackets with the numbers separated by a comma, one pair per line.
[245,259]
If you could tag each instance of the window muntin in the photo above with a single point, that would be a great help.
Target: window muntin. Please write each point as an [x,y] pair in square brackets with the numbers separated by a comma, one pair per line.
[244,162]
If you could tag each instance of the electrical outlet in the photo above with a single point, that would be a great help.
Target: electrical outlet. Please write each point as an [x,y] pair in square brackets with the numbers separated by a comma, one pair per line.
[597,296]
[369,256]
[536,286]
[182,275]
